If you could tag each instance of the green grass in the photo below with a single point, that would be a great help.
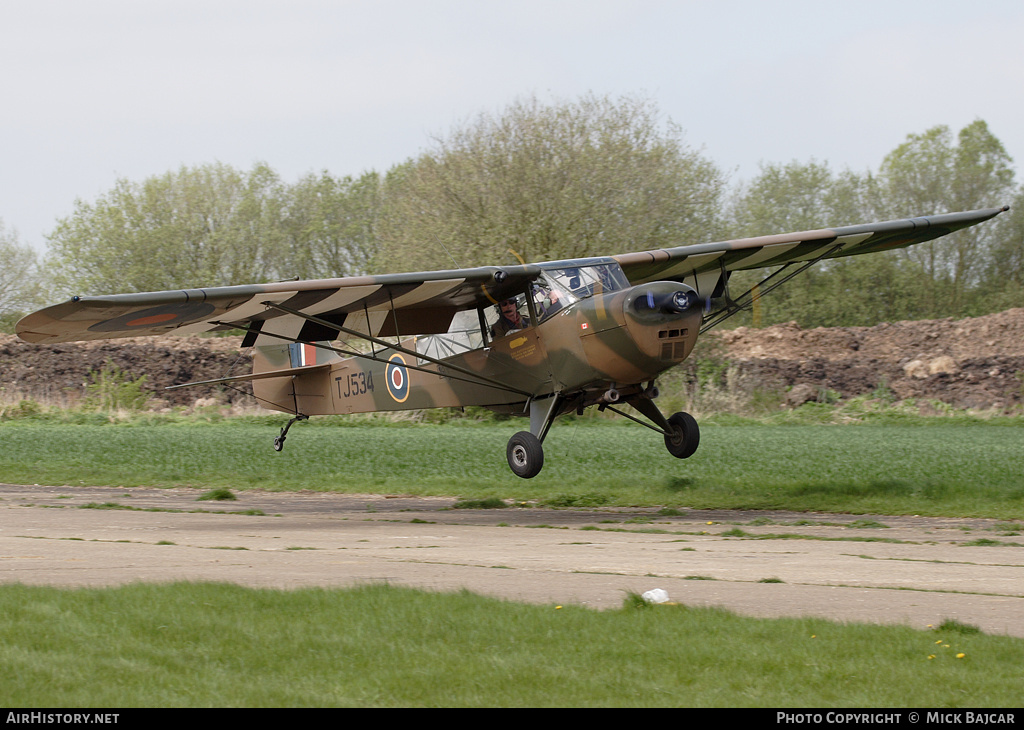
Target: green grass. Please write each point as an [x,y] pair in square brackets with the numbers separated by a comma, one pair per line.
[952,467]
[211,645]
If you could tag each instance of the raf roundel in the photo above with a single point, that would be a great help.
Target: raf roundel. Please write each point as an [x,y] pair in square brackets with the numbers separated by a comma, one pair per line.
[398,378]
[166,315]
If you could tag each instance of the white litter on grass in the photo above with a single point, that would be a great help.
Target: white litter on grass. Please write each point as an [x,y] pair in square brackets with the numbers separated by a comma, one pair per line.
[655,595]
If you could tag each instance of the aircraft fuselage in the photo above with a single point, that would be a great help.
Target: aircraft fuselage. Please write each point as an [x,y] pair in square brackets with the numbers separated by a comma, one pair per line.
[607,343]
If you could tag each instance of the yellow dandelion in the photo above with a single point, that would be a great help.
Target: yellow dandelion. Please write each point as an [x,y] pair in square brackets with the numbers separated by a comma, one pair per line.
[939,641]
[931,656]
[961,655]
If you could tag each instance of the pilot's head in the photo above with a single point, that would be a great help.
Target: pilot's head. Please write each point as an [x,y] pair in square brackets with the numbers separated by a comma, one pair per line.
[509,309]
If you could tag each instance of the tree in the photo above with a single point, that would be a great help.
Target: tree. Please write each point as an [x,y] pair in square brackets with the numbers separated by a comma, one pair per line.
[549,181]
[929,173]
[834,292]
[20,284]
[1002,280]
[329,226]
[782,198]
[199,226]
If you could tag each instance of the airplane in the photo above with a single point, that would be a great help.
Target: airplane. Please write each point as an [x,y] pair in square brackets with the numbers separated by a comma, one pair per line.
[537,340]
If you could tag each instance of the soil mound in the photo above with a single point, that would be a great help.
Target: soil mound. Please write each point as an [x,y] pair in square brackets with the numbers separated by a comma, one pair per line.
[975,363]
[62,373]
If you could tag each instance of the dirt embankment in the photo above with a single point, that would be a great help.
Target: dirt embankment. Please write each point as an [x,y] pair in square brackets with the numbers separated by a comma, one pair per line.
[61,373]
[975,363]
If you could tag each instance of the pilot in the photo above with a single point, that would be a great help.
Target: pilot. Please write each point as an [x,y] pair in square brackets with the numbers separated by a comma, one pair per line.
[510,319]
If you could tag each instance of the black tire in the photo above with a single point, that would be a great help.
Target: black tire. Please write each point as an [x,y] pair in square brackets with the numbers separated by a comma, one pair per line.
[525,455]
[684,437]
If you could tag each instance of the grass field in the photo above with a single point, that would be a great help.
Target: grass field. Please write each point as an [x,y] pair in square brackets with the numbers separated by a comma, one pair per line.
[203,645]
[928,466]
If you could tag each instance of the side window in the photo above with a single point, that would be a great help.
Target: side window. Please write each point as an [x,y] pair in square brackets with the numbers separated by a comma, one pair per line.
[463,335]
[508,316]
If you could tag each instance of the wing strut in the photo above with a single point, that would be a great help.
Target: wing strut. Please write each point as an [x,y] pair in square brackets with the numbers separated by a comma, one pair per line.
[746,299]
[475,377]
[363,355]
[662,426]
[472,377]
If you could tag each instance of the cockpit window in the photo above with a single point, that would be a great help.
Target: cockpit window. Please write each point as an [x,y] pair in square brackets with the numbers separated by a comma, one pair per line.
[557,287]
[585,281]
[560,286]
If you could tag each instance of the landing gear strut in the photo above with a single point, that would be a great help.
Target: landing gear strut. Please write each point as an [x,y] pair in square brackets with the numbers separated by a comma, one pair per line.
[524,452]
[682,435]
[279,440]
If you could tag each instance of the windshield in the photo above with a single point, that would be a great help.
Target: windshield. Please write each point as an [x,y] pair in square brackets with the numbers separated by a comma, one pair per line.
[581,282]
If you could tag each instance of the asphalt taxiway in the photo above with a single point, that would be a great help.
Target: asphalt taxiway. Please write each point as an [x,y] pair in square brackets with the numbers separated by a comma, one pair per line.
[917,571]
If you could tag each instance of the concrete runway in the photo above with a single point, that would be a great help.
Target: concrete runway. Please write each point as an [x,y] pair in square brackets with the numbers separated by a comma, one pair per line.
[920,575]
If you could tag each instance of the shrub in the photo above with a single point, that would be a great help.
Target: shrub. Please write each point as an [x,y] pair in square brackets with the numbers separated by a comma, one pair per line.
[112,389]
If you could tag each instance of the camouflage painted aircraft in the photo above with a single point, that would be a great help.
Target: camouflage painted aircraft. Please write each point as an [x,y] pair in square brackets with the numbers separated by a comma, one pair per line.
[538,340]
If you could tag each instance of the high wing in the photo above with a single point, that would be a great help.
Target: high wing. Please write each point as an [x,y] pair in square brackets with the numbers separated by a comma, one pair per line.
[703,266]
[399,305]
[386,306]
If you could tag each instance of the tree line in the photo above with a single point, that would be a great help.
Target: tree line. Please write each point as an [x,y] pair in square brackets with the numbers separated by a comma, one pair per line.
[542,181]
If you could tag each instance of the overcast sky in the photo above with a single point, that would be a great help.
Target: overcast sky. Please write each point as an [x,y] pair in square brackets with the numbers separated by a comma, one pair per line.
[92,91]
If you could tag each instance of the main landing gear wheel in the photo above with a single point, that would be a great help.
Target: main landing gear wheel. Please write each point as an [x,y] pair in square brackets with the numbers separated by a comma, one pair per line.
[525,455]
[684,437]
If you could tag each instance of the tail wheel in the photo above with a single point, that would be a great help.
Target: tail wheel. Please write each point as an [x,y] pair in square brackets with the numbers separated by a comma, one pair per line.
[525,455]
[684,437]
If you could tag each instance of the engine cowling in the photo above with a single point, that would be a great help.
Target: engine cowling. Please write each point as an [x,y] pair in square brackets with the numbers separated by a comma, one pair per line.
[633,335]
[663,319]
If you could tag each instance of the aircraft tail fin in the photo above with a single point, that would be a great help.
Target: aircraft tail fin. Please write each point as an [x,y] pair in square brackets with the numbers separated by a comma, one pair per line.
[294,355]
